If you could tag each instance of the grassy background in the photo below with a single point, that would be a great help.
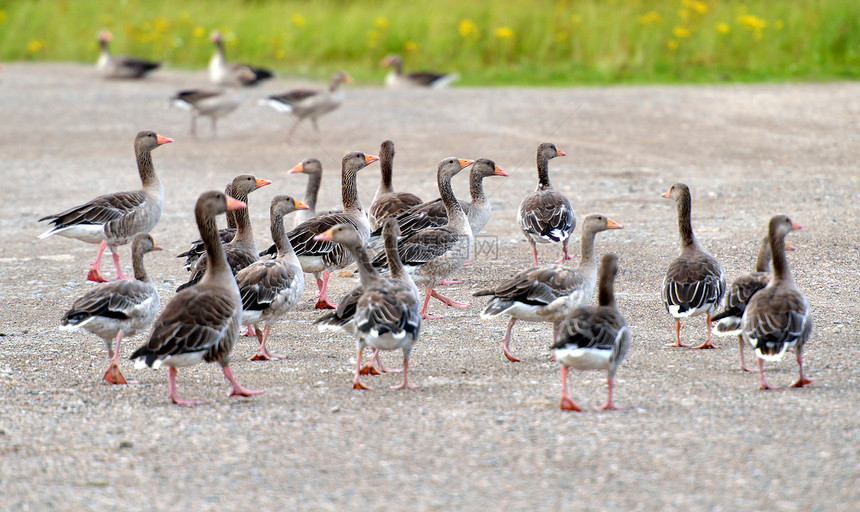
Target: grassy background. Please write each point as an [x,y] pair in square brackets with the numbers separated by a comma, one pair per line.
[488,42]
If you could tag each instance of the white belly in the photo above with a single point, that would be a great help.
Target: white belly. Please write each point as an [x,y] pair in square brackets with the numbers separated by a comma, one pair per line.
[584,358]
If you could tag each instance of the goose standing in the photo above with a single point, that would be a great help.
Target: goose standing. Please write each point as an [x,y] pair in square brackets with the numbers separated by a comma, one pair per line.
[694,283]
[432,254]
[209,103]
[594,338]
[226,73]
[551,292]
[397,79]
[545,215]
[386,314]
[271,288]
[118,309]
[201,323]
[313,168]
[386,202]
[121,66]
[310,103]
[112,220]
[778,318]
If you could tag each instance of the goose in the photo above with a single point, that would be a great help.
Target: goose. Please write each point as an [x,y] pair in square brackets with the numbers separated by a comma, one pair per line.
[694,282]
[386,202]
[121,66]
[309,103]
[200,323]
[241,251]
[551,292]
[232,74]
[545,215]
[213,104]
[112,220]
[313,168]
[386,313]
[594,338]
[271,288]
[320,257]
[432,254]
[728,321]
[118,309]
[397,79]
[778,318]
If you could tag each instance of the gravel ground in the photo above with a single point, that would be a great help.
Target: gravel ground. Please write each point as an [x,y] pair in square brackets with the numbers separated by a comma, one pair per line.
[696,433]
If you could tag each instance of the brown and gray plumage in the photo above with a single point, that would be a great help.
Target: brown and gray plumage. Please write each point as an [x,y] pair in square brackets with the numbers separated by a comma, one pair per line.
[226,73]
[112,220]
[309,103]
[433,254]
[121,66]
[398,79]
[694,282]
[551,292]
[271,288]
[201,323]
[208,103]
[545,215]
[386,202]
[386,312]
[594,338]
[118,309]
[778,318]
[241,251]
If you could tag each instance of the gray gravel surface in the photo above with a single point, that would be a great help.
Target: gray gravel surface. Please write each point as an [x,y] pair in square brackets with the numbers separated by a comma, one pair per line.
[480,432]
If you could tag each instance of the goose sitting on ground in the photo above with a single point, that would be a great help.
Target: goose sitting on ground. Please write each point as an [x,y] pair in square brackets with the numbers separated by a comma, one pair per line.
[309,103]
[200,323]
[551,292]
[594,338]
[226,73]
[118,309]
[386,313]
[694,283]
[112,220]
[386,202]
[545,215]
[728,321]
[121,66]
[397,79]
[778,318]
[271,288]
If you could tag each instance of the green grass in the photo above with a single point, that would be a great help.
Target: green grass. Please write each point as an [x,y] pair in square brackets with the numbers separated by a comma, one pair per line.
[541,42]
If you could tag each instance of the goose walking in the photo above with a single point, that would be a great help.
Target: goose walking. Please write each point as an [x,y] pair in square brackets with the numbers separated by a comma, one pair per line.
[213,104]
[310,103]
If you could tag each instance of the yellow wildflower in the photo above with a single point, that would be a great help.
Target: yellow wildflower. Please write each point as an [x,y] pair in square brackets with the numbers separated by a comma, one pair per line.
[752,22]
[467,29]
[198,31]
[650,17]
[298,20]
[504,32]
[723,28]
[381,22]
[2,16]
[699,7]
[672,44]
[680,32]
[576,19]
[34,46]
[160,24]
[410,46]
[280,54]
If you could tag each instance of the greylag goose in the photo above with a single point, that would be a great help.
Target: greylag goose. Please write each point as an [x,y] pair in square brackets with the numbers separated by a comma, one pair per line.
[208,103]
[694,283]
[551,292]
[309,103]
[594,338]
[271,288]
[432,254]
[241,251]
[226,73]
[386,313]
[386,202]
[112,220]
[778,318]
[397,79]
[201,323]
[118,309]
[545,215]
[321,257]
[121,66]
[728,321]
[313,168]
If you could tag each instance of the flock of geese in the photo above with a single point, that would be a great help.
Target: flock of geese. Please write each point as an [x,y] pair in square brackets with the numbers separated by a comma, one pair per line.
[232,283]
[231,77]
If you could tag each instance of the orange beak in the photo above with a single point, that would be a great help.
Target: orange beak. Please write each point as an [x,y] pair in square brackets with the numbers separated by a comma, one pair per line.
[262,183]
[300,205]
[324,237]
[162,140]
[369,159]
[611,224]
[347,79]
[499,172]
[296,169]
[234,204]
[789,247]
[559,152]
[156,247]
[465,162]
[795,226]
[667,194]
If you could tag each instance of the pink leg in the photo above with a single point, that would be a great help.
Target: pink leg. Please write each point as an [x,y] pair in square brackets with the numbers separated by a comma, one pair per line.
[94,274]
[446,283]
[506,340]
[263,353]
[744,367]
[567,403]
[374,366]
[404,384]
[534,254]
[677,336]
[761,383]
[113,375]
[322,302]
[448,301]
[467,263]
[423,312]
[802,381]
[564,255]
[356,379]
[249,332]
[608,404]
[115,257]
[238,389]
[171,385]
[707,343]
